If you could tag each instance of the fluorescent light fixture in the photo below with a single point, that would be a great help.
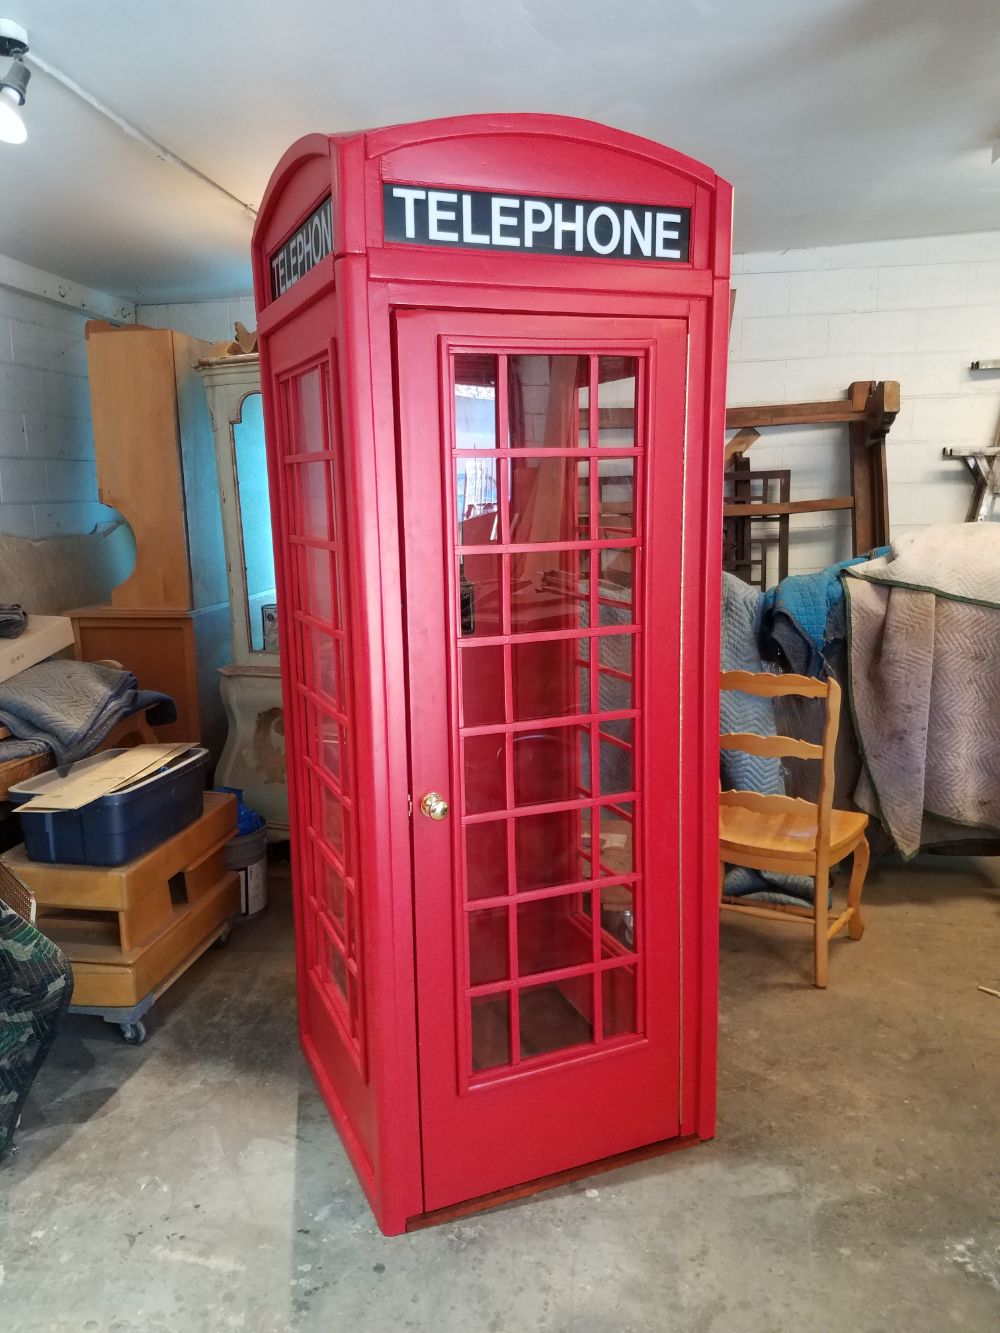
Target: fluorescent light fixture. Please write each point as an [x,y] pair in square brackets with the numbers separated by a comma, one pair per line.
[13,84]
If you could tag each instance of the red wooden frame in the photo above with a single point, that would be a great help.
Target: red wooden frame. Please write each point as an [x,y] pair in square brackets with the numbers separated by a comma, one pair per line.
[346,312]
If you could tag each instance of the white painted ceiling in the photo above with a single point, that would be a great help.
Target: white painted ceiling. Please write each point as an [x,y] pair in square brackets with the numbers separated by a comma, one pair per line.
[837,120]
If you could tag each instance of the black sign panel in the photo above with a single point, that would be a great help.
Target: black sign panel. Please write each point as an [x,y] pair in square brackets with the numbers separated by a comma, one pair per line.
[303,250]
[541,224]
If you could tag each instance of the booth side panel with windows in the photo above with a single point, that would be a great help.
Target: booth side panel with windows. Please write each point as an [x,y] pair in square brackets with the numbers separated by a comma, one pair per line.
[493,355]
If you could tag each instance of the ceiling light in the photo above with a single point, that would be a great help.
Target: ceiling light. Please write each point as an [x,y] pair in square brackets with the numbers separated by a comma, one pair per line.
[13,84]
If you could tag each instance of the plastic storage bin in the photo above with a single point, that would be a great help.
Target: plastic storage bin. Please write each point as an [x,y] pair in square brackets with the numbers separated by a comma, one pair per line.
[120,826]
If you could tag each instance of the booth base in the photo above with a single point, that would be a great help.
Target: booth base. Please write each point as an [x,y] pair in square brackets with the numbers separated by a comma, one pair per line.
[485,1202]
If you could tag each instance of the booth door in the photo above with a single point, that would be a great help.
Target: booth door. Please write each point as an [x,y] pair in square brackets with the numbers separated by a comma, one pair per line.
[542,473]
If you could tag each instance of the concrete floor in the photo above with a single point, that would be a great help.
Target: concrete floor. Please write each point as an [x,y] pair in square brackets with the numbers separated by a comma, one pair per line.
[195,1185]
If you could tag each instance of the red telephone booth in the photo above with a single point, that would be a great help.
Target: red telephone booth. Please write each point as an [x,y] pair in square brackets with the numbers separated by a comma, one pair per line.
[493,354]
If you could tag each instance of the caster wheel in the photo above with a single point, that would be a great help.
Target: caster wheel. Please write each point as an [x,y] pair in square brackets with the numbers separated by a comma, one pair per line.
[223,939]
[134,1033]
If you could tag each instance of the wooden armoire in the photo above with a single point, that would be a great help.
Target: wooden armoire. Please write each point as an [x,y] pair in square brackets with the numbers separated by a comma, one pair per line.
[168,622]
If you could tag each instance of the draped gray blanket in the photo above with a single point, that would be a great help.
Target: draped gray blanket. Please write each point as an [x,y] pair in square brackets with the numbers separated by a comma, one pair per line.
[69,707]
[924,636]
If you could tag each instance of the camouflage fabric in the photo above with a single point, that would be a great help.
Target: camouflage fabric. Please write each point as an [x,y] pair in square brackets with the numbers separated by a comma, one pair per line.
[36,984]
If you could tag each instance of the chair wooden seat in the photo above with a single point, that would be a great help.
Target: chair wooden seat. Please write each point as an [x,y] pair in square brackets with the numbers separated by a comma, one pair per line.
[743,828]
[785,834]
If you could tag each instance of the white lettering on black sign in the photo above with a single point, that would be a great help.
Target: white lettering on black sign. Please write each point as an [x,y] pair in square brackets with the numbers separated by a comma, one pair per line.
[474,219]
[303,250]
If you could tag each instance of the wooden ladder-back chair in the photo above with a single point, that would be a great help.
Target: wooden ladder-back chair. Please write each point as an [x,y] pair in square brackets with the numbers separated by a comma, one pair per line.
[787,834]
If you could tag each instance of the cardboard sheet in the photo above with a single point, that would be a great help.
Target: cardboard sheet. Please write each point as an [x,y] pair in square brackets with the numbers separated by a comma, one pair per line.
[97,780]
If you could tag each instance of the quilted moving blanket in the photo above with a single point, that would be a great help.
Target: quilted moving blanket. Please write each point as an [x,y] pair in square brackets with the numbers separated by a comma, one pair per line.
[69,707]
[924,646]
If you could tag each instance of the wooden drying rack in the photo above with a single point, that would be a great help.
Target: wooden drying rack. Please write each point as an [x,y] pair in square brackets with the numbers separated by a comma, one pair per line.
[868,412]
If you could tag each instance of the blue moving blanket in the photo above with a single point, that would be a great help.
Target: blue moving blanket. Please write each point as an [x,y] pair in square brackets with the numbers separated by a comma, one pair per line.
[741,611]
[803,617]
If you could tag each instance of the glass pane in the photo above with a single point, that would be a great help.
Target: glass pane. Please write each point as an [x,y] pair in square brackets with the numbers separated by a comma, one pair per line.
[331,820]
[307,423]
[479,607]
[488,946]
[617,840]
[324,737]
[556,1015]
[615,652]
[352,919]
[548,680]
[616,401]
[338,969]
[615,498]
[554,933]
[549,500]
[544,398]
[550,765]
[615,587]
[485,780]
[617,768]
[323,652]
[482,686]
[477,502]
[548,590]
[475,401]
[618,1001]
[549,849]
[490,1031]
[255,514]
[613,695]
[330,888]
[486,860]
[312,517]
[617,920]
[316,585]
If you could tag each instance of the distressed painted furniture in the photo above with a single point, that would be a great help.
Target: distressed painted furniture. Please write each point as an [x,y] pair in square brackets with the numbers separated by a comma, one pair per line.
[253,758]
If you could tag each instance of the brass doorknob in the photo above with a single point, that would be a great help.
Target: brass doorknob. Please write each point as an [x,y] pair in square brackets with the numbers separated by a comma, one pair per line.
[434,806]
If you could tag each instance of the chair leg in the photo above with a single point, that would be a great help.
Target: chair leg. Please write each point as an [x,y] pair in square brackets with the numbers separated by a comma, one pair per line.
[859,869]
[820,919]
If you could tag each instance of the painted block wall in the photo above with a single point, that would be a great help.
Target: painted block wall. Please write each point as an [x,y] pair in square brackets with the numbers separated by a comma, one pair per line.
[48,484]
[809,322]
[211,320]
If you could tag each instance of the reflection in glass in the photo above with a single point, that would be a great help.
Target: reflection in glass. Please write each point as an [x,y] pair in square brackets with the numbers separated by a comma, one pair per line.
[479,606]
[485,781]
[255,514]
[551,849]
[475,401]
[490,1031]
[477,501]
[616,377]
[487,946]
[548,590]
[486,860]
[553,933]
[313,516]
[546,402]
[618,1001]
[551,765]
[547,679]
[615,498]
[549,499]
[556,1015]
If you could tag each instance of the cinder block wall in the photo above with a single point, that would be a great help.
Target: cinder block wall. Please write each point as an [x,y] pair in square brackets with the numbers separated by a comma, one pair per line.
[48,484]
[809,322]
